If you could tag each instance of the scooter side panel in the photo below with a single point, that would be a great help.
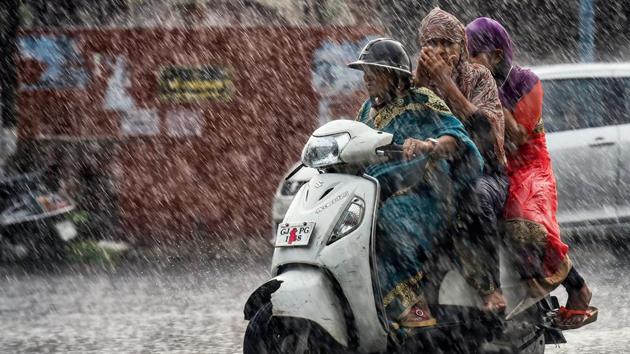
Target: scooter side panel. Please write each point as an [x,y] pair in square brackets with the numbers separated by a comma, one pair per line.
[306,292]
[347,259]
[454,290]
[322,200]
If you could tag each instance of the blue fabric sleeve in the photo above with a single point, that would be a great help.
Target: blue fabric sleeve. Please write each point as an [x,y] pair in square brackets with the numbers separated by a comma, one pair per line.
[401,174]
[398,175]
[469,163]
[364,112]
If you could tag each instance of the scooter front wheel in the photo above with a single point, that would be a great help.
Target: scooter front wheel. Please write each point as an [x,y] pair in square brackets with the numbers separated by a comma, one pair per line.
[266,334]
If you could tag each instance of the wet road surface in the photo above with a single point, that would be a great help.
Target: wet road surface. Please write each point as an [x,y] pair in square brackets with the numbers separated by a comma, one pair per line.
[193,308]
[608,276]
[197,308]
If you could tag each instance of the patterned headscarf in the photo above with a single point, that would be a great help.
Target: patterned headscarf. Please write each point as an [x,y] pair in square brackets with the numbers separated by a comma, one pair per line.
[439,24]
[474,81]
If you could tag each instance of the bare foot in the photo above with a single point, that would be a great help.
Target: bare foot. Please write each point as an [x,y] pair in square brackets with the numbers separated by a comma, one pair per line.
[494,302]
[578,300]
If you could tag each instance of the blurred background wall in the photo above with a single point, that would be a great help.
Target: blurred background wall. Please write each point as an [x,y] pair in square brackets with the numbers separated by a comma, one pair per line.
[546,31]
[179,117]
[165,133]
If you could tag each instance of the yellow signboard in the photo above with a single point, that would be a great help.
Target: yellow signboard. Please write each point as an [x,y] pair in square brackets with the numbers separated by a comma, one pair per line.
[190,84]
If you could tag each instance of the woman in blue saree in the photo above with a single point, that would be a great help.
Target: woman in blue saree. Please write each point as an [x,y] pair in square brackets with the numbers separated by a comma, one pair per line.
[416,192]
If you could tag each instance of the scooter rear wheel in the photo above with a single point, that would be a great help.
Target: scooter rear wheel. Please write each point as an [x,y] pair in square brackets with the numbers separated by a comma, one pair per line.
[267,334]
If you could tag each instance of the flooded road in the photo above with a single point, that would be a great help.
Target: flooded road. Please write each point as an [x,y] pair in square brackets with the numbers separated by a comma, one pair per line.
[609,279]
[197,308]
[194,308]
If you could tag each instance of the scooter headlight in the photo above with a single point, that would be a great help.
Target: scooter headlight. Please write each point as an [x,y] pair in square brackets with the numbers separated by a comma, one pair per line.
[349,221]
[323,151]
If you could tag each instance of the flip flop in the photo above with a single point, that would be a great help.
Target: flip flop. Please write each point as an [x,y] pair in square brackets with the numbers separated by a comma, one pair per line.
[564,314]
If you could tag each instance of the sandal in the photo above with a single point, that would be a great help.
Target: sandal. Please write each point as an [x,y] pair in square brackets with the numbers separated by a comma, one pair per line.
[418,316]
[565,314]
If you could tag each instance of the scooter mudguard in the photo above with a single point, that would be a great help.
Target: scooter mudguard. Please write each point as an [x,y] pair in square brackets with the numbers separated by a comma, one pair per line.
[306,292]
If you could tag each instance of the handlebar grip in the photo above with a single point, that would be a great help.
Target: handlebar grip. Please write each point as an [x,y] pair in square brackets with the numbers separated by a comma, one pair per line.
[390,147]
[393,151]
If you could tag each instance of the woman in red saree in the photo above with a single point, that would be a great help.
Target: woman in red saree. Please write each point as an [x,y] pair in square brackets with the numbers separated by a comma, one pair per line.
[530,211]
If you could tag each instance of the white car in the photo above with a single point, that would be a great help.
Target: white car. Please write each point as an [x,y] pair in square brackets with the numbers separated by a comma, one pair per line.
[586,111]
[286,191]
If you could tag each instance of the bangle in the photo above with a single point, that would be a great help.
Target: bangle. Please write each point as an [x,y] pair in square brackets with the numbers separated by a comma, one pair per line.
[434,143]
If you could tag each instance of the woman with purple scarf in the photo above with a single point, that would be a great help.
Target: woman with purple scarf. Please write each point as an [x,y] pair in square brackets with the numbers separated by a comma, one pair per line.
[530,212]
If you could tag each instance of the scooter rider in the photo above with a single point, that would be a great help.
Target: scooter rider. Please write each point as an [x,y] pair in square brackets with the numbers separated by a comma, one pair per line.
[417,199]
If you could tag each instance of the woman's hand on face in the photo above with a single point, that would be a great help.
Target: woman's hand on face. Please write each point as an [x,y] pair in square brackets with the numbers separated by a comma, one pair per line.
[439,69]
[414,147]
[421,77]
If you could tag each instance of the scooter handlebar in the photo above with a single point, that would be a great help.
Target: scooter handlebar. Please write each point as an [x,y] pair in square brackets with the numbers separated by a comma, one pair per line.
[392,151]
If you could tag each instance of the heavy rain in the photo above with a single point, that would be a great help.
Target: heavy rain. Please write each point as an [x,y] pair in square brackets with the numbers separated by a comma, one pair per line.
[211,176]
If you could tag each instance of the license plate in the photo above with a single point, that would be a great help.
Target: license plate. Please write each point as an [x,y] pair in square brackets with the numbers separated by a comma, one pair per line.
[66,230]
[297,234]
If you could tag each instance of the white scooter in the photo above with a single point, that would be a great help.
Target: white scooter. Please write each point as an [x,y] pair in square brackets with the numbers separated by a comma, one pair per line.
[324,295]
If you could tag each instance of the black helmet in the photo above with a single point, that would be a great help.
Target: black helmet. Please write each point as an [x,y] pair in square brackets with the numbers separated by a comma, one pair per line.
[384,53]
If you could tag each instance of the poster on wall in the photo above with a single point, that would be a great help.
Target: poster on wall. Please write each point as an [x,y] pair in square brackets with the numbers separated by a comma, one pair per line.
[51,61]
[140,122]
[193,84]
[183,123]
